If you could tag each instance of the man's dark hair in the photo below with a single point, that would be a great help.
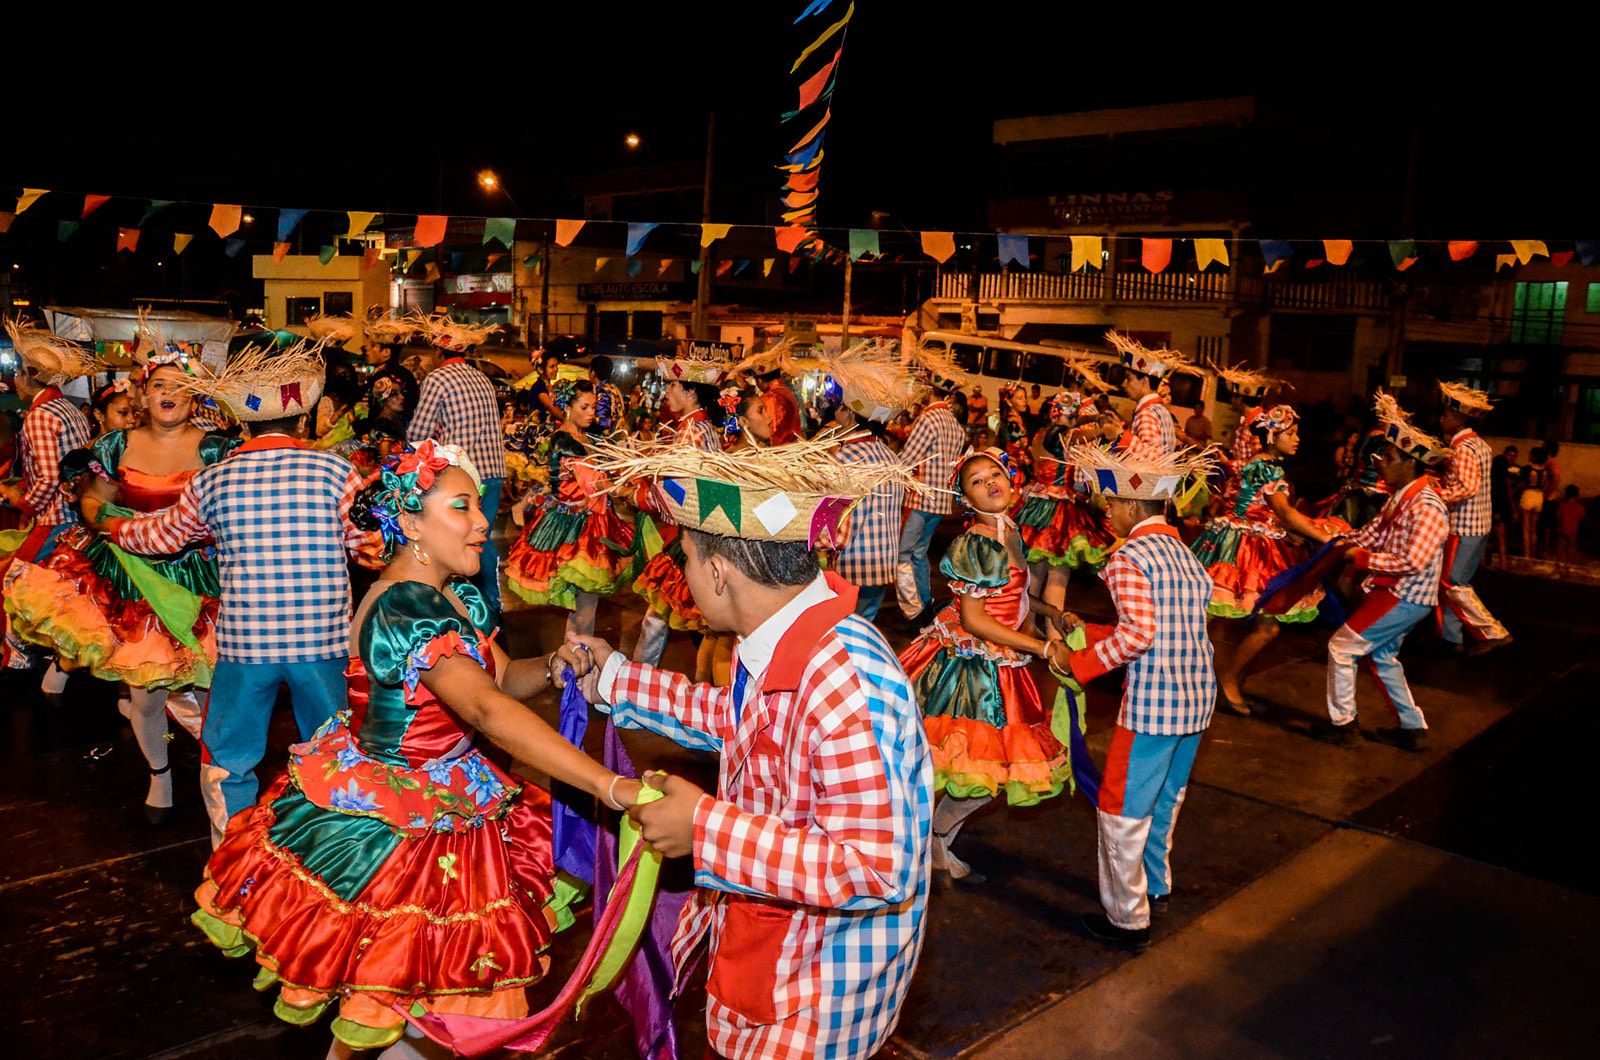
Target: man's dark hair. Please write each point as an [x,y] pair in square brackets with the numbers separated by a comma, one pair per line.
[770,563]
[958,405]
[704,393]
[1537,454]
[601,367]
[281,425]
[1572,491]
[1148,508]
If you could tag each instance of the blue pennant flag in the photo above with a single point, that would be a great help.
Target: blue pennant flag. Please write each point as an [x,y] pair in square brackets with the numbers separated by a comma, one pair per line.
[1588,250]
[287,221]
[637,231]
[1013,248]
[1275,250]
[674,489]
[635,266]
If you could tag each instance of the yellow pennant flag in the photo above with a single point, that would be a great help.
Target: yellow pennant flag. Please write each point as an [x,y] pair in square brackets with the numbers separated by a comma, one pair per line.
[567,231]
[600,263]
[431,273]
[1337,251]
[1502,261]
[1273,267]
[180,240]
[830,31]
[766,266]
[359,220]
[28,197]
[1526,249]
[411,258]
[711,233]
[1087,250]
[1208,250]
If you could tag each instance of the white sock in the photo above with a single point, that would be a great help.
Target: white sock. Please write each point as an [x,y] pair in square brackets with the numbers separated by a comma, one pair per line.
[55,682]
[149,720]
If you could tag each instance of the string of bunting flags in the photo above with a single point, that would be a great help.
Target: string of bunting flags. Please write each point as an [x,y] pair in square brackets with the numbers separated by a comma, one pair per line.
[1087,252]
[803,162]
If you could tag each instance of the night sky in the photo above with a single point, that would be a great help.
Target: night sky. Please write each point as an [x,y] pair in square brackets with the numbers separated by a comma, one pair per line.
[400,117]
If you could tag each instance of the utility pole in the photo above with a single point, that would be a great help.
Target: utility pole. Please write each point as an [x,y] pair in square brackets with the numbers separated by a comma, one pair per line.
[702,301]
[1395,360]
[844,326]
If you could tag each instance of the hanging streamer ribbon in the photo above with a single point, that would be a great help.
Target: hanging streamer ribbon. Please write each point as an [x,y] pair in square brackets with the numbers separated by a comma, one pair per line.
[572,833]
[1069,723]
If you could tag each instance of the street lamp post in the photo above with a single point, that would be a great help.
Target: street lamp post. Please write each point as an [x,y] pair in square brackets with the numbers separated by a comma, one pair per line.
[701,325]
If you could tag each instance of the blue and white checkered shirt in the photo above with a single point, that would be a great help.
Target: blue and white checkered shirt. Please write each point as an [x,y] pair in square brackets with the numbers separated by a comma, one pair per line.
[457,406]
[869,552]
[936,440]
[280,516]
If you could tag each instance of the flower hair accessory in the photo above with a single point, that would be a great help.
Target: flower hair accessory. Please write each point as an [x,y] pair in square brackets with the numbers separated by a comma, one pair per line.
[405,478]
[1064,405]
[1277,419]
[563,393]
[731,398]
[105,393]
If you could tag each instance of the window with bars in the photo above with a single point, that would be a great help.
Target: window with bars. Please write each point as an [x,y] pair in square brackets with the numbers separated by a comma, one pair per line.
[1537,312]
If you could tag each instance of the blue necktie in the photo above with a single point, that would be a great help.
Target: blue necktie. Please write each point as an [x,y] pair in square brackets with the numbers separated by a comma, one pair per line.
[740,676]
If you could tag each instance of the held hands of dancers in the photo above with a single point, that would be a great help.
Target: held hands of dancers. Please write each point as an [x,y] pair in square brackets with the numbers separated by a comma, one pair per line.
[668,823]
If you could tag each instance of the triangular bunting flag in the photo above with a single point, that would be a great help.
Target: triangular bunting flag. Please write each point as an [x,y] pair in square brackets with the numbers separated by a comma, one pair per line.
[326,253]
[1338,251]
[64,230]
[1012,248]
[1087,250]
[288,221]
[666,263]
[789,237]
[231,247]
[370,257]
[1207,251]
[1274,251]
[600,263]
[766,266]
[6,217]
[91,203]
[863,243]
[1526,249]
[1462,249]
[502,228]
[1274,267]
[635,266]
[723,266]
[694,266]
[127,239]
[1156,254]
[794,263]
[28,197]
[290,392]
[1502,261]
[488,265]
[359,220]
[430,229]
[1588,250]
[1403,252]
[1560,258]
[430,273]
[411,259]
[711,233]
[279,252]
[744,263]
[567,231]
[155,207]
[180,240]
[940,246]
[637,233]
[803,181]
[226,218]
[811,88]
[1312,263]
[820,41]
[713,495]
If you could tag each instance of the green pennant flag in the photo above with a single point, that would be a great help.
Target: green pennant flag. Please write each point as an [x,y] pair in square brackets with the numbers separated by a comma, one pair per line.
[156,206]
[326,254]
[532,261]
[64,230]
[714,495]
[502,228]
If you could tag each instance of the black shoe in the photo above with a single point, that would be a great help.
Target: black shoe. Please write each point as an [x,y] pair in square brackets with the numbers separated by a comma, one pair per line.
[158,814]
[1484,647]
[1346,735]
[1136,940]
[1160,904]
[1413,740]
[1241,708]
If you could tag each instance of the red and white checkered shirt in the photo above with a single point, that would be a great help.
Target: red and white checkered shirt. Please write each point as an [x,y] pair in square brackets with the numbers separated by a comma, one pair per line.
[52,428]
[457,406]
[869,552]
[1154,432]
[812,860]
[1405,544]
[1245,443]
[1467,486]
[936,440]
[697,429]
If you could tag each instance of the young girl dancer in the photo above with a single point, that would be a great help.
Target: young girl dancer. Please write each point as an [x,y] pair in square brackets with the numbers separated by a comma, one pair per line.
[988,730]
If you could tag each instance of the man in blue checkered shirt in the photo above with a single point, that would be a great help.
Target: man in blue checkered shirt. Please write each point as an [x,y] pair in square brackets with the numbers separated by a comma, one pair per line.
[937,438]
[280,516]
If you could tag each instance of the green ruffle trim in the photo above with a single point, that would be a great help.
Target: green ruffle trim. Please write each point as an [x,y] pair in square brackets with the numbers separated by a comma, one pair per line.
[566,892]
[229,938]
[571,578]
[1018,793]
[356,1035]
[1304,614]
[1079,553]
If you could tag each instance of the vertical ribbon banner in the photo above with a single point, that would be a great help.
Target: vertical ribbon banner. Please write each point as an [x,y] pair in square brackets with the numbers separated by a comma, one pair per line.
[638,232]
[567,231]
[127,239]
[1403,252]
[863,243]
[1207,251]
[503,229]
[1338,251]
[1155,254]
[91,203]
[359,220]
[1087,250]
[940,246]
[430,229]
[288,221]
[226,218]
[1012,248]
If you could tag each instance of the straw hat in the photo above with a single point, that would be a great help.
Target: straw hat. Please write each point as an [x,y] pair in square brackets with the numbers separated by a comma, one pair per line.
[1243,381]
[335,330]
[262,383]
[1406,436]
[794,492]
[52,359]
[940,368]
[875,383]
[1138,477]
[696,362]
[446,334]
[1464,399]
[1154,363]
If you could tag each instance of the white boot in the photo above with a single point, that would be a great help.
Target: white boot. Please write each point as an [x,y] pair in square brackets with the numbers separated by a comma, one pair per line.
[54,682]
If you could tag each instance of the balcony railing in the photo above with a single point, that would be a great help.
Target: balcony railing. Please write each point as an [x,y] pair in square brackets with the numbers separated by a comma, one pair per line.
[1171,287]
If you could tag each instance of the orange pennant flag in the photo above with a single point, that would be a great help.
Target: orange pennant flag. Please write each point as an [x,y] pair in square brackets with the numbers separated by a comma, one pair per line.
[30,196]
[430,229]
[600,263]
[487,265]
[939,246]
[1208,250]
[225,219]
[1462,249]
[796,199]
[711,233]
[180,240]
[813,85]
[804,181]
[370,257]
[279,252]
[789,237]
[567,231]
[1405,264]
[666,263]
[127,238]
[723,266]
[1338,251]
[1156,254]
[6,217]
[359,220]
[814,130]
[1270,269]
[91,203]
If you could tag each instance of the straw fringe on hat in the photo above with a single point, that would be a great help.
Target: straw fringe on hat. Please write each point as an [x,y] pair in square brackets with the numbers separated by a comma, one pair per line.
[1136,477]
[52,358]
[449,335]
[699,362]
[381,328]
[783,357]
[794,492]
[875,382]
[334,330]
[1405,435]
[1154,363]
[1244,381]
[1464,399]
[1085,368]
[262,383]
[939,366]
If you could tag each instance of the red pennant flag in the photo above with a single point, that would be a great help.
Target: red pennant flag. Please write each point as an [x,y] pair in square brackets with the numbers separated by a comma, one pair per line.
[1405,264]
[1560,258]
[723,266]
[794,262]
[1312,263]
[804,181]
[127,238]
[1462,249]
[279,252]
[6,217]
[813,86]
[91,203]
[430,229]
[369,258]
[290,390]
[789,237]
[666,263]
[1156,255]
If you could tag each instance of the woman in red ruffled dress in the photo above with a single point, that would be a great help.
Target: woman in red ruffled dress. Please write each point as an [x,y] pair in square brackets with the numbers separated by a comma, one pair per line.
[398,863]
[88,600]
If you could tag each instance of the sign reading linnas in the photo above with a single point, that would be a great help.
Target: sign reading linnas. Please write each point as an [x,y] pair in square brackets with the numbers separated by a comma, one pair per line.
[1112,206]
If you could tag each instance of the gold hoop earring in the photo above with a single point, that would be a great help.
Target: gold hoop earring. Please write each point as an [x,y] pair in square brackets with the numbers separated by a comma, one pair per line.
[422,557]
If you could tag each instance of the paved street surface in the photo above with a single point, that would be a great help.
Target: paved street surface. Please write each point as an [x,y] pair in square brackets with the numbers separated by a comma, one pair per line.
[1328,902]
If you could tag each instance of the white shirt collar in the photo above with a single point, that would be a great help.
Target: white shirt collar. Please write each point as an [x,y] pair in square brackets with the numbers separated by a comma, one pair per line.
[1146,400]
[755,651]
[1146,522]
[1462,433]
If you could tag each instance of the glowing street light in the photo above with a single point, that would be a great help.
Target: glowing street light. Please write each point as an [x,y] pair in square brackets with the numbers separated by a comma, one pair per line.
[632,140]
[488,179]
[248,219]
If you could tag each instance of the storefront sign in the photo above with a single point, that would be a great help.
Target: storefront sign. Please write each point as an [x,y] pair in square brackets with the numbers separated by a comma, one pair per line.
[709,350]
[635,291]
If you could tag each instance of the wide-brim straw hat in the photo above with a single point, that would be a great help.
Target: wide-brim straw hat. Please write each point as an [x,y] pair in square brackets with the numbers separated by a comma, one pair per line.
[1406,436]
[1464,399]
[1138,477]
[875,383]
[1154,363]
[51,358]
[262,383]
[695,362]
